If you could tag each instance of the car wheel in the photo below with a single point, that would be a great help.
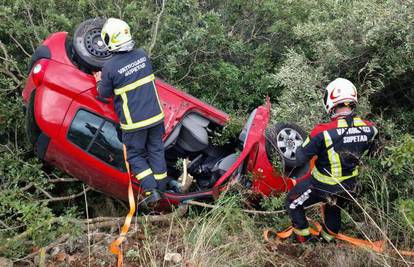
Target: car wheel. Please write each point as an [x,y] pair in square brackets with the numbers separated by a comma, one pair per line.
[89,49]
[284,138]
[32,129]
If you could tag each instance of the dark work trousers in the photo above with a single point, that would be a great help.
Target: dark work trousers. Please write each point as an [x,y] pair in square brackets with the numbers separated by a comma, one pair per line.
[311,191]
[145,155]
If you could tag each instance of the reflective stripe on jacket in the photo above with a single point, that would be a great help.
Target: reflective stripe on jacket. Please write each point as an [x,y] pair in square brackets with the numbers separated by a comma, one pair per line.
[128,76]
[338,146]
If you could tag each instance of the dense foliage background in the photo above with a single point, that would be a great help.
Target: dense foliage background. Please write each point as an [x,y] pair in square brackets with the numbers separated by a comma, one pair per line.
[230,54]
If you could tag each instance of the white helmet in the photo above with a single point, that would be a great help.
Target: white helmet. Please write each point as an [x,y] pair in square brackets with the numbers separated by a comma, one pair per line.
[116,35]
[339,91]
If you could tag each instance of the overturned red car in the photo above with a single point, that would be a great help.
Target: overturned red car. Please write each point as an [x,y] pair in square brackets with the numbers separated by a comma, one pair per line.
[73,129]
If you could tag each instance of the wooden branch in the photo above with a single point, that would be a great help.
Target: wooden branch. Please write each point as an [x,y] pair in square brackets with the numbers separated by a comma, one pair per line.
[6,54]
[63,180]
[19,45]
[256,212]
[6,69]
[9,228]
[31,45]
[44,192]
[27,187]
[4,225]
[185,179]
[103,222]
[10,75]
[95,223]
[69,197]
[157,24]
[54,199]
[19,72]
[119,8]
[5,59]
[29,16]
[189,68]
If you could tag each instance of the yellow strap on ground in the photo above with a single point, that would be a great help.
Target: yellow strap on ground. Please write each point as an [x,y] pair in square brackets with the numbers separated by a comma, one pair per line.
[114,247]
[316,228]
[377,246]
[270,234]
[406,253]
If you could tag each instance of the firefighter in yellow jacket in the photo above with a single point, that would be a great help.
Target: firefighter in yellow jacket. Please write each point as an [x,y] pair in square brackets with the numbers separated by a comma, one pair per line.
[338,145]
[128,76]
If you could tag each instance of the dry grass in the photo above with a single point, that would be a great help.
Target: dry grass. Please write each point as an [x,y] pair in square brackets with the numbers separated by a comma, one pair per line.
[225,236]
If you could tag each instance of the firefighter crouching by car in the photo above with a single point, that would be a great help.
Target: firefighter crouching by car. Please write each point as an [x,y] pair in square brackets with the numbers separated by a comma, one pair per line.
[128,76]
[338,146]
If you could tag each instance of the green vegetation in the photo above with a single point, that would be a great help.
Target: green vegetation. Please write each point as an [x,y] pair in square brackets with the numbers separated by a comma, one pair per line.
[230,54]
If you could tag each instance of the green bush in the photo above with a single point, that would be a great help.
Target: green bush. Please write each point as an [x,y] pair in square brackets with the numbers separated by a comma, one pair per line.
[230,54]
[401,157]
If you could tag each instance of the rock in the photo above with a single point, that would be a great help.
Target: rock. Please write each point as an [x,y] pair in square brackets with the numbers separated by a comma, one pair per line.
[4,262]
[174,257]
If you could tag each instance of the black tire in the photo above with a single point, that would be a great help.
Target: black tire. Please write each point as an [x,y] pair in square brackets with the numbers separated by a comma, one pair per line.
[89,50]
[32,129]
[284,138]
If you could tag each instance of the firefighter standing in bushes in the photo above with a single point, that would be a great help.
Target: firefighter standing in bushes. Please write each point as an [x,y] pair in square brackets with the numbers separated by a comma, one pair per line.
[128,76]
[338,146]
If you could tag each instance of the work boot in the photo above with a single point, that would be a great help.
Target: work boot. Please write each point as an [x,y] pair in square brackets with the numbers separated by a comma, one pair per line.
[325,237]
[174,186]
[162,184]
[304,239]
[303,236]
[151,199]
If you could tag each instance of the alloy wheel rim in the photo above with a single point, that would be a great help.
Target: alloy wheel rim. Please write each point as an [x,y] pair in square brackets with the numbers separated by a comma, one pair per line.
[288,140]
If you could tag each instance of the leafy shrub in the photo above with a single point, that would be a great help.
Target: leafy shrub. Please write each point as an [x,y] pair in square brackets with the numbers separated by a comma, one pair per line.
[401,157]
[230,131]
[230,54]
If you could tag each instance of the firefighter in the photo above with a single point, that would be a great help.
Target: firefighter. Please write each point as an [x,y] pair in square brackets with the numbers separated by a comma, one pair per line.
[128,76]
[338,145]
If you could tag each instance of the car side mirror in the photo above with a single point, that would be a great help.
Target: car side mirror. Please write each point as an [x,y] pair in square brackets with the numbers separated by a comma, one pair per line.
[102,99]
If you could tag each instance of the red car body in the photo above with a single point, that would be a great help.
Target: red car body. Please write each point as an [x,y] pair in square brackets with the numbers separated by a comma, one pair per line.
[60,89]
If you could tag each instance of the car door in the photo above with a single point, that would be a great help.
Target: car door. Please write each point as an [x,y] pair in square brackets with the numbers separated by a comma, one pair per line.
[253,140]
[266,179]
[89,146]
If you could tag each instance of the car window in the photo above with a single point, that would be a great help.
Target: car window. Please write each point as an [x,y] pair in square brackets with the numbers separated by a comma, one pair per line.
[98,137]
[84,127]
[107,146]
